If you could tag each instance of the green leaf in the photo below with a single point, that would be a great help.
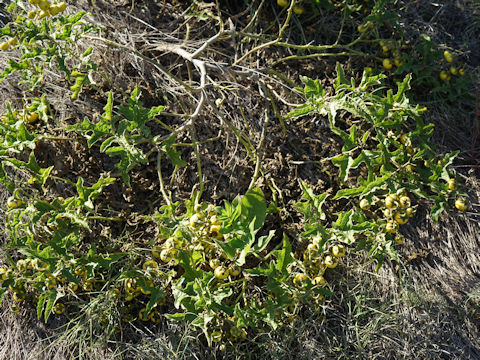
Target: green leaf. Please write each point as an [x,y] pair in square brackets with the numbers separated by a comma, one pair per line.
[340,80]
[344,162]
[284,256]
[41,305]
[172,153]
[253,207]
[154,297]
[52,297]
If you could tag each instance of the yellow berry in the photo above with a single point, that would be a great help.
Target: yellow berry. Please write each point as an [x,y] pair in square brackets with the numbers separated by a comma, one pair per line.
[443,75]
[216,336]
[235,270]
[142,315]
[448,56]
[391,227]
[409,212]
[150,264]
[31,14]
[319,280]
[44,5]
[461,72]
[391,202]
[32,118]
[405,202]
[399,239]
[298,9]
[54,10]
[338,250]
[364,204]
[460,204]
[59,308]
[214,263]
[165,255]
[387,64]
[300,279]
[400,217]
[4,46]
[330,261]
[453,70]
[221,272]
[62,6]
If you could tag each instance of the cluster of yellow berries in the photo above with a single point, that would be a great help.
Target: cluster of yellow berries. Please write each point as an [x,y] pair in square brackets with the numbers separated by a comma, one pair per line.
[297,8]
[390,49]
[205,227]
[227,329]
[316,262]
[446,75]
[46,8]
[460,202]
[6,45]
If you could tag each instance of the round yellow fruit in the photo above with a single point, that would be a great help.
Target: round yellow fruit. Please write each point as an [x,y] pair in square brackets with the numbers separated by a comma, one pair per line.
[221,272]
[461,72]
[54,10]
[59,308]
[235,270]
[4,46]
[460,204]
[338,250]
[387,64]
[400,217]
[364,204]
[62,6]
[43,14]
[13,41]
[300,279]
[391,227]
[165,255]
[399,239]
[443,75]
[391,202]
[410,212]
[44,5]
[453,70]
[387,213]
[142,315]
[282,3]
[405,202]
[156,250]
[150,264]
[31,14]
[32,118]
[298,9]
[330,261]
[448,56]
[319,280]
[451,184]
[216,336]
[13,203]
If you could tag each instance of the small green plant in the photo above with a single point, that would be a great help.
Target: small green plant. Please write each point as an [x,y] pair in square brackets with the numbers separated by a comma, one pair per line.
[386,157]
